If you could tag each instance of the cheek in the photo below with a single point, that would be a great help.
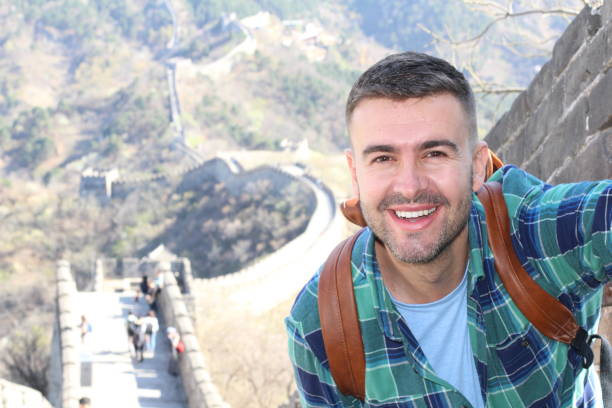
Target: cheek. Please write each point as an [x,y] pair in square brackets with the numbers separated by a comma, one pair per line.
[455,183]
[366,186]
[360,188]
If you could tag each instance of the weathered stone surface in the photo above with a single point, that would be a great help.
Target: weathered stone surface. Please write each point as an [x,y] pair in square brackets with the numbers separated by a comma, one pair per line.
[510,124]
[519,114]
[543,121]
[197,358]
[499,133]
[608,47]
[592,163]
[196,381]
[191,344]
[583,26]
[597,54]
[576,79]
[540,85]
[184,325]
[15,395]
[566,139]
[606,11]
[515,152]
[180,309]
[600,112]
[594,23]
[534,167]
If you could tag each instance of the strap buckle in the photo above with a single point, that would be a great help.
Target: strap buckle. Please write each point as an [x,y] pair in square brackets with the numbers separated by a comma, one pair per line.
[582,344]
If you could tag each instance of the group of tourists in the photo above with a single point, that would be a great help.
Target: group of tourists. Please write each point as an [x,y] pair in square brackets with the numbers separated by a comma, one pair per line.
[150,290]
[142,334]
[142,328]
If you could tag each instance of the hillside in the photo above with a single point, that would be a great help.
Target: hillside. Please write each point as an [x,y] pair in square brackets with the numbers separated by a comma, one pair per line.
[92,84]
[73,96]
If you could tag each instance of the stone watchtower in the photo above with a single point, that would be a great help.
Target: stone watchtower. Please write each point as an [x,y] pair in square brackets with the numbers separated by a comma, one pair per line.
[98,182]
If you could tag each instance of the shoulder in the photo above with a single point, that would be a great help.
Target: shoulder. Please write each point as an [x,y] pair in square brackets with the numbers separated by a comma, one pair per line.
[560,233]
[528,197]
[306,302]
[306,309]
[303,322]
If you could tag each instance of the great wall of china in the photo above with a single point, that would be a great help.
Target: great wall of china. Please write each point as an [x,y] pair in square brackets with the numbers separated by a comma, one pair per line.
[263,284]
[560,129]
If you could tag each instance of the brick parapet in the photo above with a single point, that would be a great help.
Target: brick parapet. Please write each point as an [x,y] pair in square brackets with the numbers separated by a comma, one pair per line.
[198,385]
[66,384]
[566,107]
[17,396]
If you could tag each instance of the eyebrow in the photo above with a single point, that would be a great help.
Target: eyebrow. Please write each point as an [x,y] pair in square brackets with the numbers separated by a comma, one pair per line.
[437,143]
[430,144]
[378,149]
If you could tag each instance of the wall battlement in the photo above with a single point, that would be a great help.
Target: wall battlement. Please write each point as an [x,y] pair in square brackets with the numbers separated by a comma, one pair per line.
[65,371]
[560,128]
[16,396]
[199,387]
[219,169]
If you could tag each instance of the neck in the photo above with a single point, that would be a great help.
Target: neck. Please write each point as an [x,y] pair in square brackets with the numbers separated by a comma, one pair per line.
[424,283]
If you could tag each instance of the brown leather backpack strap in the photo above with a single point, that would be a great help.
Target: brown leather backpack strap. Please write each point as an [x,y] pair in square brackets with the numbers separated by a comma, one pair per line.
[340,321]
[544,311]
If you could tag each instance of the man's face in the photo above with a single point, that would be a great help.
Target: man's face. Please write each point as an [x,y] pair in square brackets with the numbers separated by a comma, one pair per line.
[412,167]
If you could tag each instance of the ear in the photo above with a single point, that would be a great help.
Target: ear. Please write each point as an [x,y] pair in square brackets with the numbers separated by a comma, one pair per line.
[350,160]
[480,158]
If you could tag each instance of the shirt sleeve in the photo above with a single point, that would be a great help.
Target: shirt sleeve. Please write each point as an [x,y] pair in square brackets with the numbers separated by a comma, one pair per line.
[564,231]
[314,381]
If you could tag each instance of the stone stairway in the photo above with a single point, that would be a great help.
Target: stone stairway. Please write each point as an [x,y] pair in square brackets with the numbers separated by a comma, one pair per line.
[109,375]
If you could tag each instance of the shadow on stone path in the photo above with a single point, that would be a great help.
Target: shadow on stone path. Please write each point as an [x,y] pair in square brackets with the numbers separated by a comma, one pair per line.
[117,380]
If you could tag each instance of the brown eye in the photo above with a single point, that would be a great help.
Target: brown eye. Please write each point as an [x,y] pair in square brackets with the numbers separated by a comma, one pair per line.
[381,159]
[435,153]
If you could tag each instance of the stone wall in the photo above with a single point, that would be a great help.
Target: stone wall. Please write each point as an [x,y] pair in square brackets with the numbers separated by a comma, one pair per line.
[17,396]
[214,169]
[65,373]
[560,128]
[323,215]
[198,386]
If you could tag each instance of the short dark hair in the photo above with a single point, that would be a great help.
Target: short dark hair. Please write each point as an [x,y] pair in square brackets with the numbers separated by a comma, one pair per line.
[413,75]
[84,400]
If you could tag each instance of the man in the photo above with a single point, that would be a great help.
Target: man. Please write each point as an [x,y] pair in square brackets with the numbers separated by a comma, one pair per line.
[151,327]
[84,402]
[438,327]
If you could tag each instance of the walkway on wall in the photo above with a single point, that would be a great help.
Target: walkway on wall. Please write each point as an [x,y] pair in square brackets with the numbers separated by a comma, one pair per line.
[116,379]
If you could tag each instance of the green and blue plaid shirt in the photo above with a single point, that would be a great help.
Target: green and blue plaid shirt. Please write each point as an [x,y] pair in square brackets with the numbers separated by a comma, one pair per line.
[562,236]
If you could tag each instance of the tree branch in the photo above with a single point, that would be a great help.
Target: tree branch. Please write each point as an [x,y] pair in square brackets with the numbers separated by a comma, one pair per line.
[497,91]
[505,16]
[490,4]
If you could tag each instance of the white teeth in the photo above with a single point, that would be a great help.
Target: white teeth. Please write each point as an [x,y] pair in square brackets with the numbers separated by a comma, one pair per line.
[414,214]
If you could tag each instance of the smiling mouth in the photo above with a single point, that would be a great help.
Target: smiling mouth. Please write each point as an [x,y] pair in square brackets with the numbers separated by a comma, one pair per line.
[411,215]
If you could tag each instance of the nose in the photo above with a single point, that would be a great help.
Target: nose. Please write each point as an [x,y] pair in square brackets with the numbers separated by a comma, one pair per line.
[410,179]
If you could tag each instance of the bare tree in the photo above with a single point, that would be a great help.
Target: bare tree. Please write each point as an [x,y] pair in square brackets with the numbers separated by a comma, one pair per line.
[511,31]
[26,358]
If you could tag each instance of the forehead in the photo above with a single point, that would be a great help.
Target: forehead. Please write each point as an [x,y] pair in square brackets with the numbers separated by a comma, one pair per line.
[412,119]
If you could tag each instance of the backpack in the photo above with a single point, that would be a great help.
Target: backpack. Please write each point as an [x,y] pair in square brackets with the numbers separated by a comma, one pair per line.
[180,346]
[133,327]
[338,311]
